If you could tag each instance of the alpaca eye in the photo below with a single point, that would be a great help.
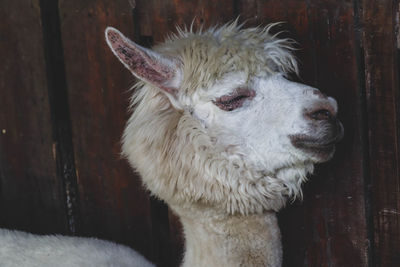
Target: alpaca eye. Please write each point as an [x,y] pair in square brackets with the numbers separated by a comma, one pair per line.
[235,100]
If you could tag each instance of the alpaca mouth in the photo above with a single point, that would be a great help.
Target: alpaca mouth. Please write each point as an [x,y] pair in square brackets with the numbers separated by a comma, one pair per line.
[322,148]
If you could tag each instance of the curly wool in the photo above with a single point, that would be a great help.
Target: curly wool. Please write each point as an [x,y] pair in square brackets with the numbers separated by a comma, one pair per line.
[209,55]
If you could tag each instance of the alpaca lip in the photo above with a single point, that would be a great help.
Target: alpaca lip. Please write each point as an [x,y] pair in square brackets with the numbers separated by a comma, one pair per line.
[320,151]
[313,144]
[324,144]
[307,143]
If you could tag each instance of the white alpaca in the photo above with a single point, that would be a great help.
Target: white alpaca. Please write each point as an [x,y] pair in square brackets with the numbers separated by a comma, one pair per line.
[220,135]
[20,249]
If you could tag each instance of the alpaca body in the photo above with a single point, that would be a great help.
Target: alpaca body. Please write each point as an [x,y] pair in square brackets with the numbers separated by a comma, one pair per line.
[20,249]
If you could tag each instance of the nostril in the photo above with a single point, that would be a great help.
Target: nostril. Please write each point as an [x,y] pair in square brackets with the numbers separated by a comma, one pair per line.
[321,114]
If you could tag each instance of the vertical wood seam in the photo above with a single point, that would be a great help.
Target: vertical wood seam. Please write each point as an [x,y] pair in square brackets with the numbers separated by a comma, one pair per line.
[59,107]
[359,46]
[396,79]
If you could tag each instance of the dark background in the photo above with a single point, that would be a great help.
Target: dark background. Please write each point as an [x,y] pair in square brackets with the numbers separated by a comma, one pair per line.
[63,105]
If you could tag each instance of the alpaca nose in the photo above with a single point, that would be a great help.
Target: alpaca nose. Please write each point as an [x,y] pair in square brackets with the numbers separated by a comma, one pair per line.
[322,111]
[321,114]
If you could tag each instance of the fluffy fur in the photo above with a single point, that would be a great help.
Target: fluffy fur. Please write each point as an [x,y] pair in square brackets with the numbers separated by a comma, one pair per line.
[225,173]
[20,249]
[177,156]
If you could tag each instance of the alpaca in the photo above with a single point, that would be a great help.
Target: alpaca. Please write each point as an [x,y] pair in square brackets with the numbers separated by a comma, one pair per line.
[20,249]
[221,135]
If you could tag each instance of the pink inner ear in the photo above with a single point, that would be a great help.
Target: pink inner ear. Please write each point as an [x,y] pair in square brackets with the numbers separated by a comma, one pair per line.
[143,65]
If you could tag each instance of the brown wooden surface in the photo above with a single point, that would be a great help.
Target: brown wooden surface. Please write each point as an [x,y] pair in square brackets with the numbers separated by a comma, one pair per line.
[63,106]
[342,199]
[382,95]
[31,196]
[112,202]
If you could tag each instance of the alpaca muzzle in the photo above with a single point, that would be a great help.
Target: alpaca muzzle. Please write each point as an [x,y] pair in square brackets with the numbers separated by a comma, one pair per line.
[325,130]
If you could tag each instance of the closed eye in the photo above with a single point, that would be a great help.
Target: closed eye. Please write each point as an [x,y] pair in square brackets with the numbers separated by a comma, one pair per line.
[235,100]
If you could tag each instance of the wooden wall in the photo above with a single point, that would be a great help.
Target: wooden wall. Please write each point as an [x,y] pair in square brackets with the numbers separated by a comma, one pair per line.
[63,102]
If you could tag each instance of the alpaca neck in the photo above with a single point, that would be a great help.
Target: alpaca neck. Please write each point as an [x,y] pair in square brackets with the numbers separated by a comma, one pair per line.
[234,240]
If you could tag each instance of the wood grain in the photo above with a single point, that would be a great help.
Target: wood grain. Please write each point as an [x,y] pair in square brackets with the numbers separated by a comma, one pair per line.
[343,189]
[60,114]
[31,194]
[382,98]
[112,201]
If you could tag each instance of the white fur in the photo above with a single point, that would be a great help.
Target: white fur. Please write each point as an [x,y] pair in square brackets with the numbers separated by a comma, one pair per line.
[20,249]
[223,172]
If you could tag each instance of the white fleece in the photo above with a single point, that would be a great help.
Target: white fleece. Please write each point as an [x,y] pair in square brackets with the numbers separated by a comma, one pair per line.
[21,249]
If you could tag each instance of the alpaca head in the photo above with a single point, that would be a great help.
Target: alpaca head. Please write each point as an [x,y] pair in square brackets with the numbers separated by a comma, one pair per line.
[217,124]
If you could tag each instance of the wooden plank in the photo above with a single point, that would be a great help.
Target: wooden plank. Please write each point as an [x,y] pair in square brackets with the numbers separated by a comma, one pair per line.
[380,20]
[31,196]
[154,20]
[112,202]
[344,191]
[158,17]
[328,228]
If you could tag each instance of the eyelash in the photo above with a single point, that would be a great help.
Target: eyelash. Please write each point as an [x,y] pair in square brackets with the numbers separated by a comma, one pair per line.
[234,101]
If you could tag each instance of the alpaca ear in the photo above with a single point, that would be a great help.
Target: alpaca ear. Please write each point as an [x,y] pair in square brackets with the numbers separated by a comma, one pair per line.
[144,63]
